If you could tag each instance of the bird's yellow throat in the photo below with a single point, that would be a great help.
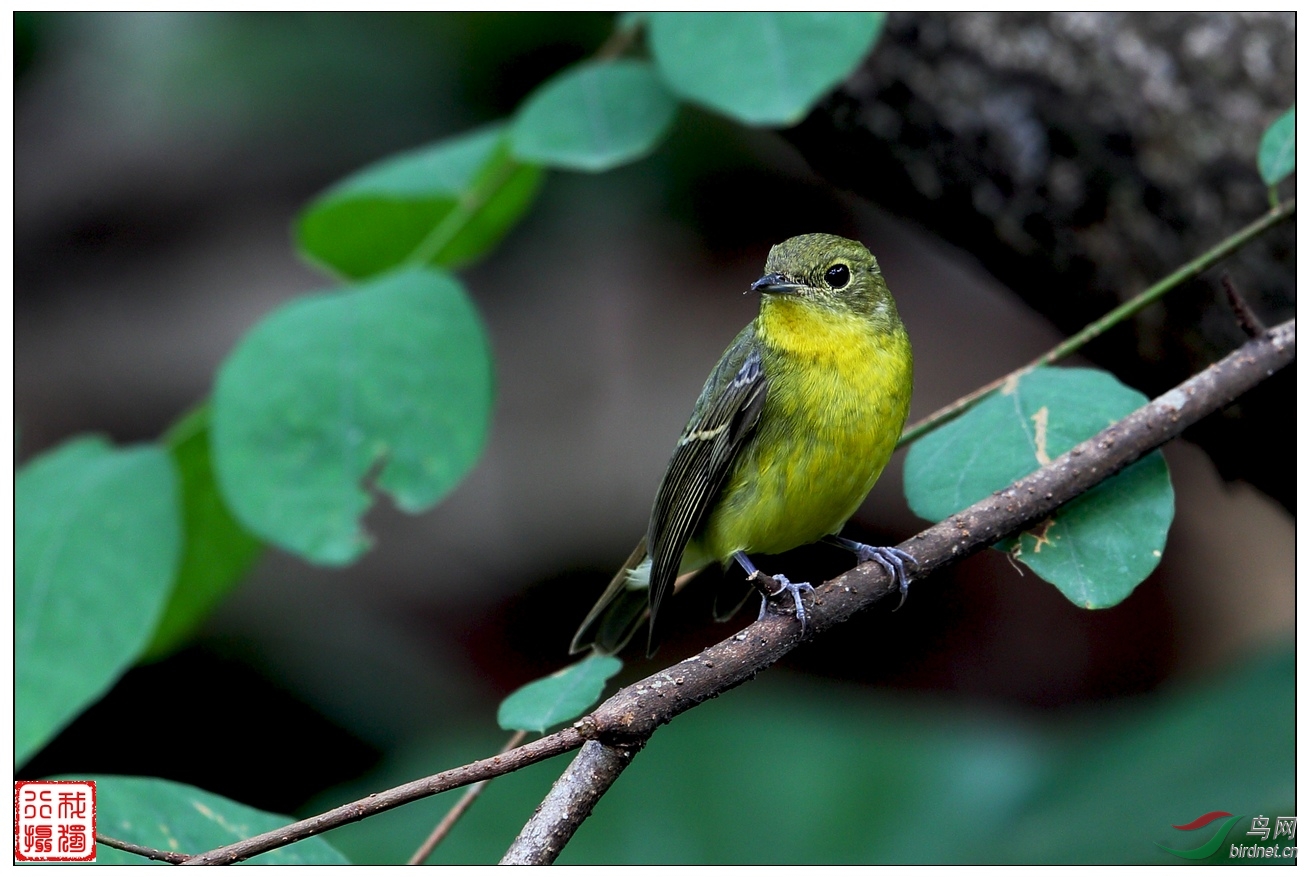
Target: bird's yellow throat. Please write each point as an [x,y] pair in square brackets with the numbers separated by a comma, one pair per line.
[842,336]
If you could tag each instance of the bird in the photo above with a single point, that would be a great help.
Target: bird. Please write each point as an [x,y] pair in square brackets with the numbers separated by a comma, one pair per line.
[788,436]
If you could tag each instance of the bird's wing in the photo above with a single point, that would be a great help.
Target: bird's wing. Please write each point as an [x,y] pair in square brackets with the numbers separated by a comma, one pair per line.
[726,413]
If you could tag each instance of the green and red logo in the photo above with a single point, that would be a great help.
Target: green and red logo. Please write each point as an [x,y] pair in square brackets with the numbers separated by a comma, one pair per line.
[1210,847]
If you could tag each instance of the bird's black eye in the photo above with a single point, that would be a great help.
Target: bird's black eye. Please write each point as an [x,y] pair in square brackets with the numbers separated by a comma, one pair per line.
[837,276]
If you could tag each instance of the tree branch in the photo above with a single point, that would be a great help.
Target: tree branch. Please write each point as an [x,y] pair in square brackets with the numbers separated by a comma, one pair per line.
[138,850]
[632,715]
[530,753]
[626,720]
[569,802]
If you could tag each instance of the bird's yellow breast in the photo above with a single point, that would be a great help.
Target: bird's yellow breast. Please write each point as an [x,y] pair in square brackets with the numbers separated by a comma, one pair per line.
[838,393]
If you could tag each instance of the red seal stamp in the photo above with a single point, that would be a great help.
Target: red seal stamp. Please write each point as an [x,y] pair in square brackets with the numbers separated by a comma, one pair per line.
[54,821]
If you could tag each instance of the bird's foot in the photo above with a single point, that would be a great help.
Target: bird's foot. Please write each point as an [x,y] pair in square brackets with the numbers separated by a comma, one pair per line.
[784,586]
[893,560]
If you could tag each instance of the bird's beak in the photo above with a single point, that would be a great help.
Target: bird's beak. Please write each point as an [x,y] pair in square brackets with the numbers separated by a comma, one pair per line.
[776,284]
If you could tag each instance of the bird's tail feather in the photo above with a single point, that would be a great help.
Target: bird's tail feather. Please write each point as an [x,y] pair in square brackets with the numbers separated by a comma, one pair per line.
[621,610]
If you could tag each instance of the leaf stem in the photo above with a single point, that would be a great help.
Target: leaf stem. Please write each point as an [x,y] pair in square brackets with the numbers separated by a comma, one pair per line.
[464,211]
[1217,253]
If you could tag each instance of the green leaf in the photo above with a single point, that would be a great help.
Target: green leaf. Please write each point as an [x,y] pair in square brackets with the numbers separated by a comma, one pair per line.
[97,538]
[594,117]
[761,68]
[1277,156]
[178,818]
[1101,546]
[559,697]
[218,551]
[393,375]
[1096,549]
[444,204]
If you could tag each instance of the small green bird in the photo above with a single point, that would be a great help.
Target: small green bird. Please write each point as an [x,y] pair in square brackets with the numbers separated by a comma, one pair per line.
[790,432]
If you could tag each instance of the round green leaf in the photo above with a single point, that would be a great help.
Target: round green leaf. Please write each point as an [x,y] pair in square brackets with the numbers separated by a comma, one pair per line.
[1101,546]
[218,551]
[761,68]
[392,376]
[1277,156]
[1096,549]
[444,204]
[559,697]
[178,818]
[594,117]
[97,538]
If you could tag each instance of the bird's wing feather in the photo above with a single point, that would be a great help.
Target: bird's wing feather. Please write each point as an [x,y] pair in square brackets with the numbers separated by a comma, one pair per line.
[726,413]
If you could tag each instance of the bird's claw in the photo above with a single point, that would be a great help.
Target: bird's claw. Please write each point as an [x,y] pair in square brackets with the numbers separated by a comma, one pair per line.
[785,586]
[893,560]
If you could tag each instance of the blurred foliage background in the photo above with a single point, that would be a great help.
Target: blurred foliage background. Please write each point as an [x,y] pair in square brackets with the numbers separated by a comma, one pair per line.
[159,161]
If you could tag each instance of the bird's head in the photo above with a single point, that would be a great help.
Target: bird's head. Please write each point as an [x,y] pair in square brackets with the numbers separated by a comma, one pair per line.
[827,271]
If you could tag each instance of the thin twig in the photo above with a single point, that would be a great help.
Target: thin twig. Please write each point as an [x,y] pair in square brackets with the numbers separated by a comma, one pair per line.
[627,719]
[138,850]
[1252,325]
[466,801]
[1206,260]
[558,743]
[632,715]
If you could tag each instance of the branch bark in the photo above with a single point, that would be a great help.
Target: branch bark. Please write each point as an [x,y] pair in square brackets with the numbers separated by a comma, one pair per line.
[569,802]
[622,724]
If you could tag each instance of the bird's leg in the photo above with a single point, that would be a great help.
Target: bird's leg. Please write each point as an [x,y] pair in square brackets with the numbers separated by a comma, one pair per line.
[891,559]
[781,585]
